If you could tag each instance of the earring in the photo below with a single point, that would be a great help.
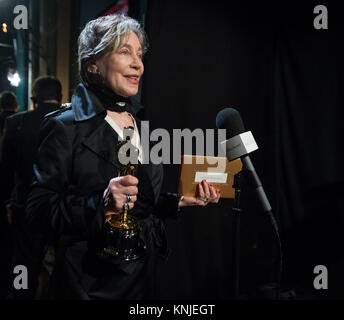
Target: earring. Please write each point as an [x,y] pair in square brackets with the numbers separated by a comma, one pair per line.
[93,71]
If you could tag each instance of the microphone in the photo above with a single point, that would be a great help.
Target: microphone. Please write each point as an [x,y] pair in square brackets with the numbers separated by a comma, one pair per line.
[238,145]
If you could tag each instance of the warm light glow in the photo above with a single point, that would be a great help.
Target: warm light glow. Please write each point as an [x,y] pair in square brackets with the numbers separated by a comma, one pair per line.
[4,27]
[13,78]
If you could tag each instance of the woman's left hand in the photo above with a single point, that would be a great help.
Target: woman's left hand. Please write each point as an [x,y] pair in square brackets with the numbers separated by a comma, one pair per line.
[206,193]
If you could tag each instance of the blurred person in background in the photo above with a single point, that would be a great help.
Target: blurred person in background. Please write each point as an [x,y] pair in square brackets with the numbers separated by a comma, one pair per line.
[18,149]
[8,107]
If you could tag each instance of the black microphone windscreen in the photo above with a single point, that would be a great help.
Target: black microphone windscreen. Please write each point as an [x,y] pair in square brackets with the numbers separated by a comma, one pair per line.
[230,120]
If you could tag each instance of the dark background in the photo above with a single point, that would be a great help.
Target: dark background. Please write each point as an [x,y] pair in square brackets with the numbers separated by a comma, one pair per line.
[286,79]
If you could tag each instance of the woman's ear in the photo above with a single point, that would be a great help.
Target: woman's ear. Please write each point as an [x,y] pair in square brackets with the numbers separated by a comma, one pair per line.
[93,68]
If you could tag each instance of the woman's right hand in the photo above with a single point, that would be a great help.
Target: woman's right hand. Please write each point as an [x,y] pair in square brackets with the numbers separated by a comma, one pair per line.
[116,194]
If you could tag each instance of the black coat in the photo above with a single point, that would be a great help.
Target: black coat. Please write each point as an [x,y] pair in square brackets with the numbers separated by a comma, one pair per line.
[74,166]
[3,115]
[18,149]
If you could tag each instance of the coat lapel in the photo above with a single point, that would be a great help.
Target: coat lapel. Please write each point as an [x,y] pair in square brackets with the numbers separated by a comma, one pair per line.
[103,142]
[151,170]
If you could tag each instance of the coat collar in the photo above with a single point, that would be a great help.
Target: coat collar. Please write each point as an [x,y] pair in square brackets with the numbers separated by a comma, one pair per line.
[46,107]
[86,104]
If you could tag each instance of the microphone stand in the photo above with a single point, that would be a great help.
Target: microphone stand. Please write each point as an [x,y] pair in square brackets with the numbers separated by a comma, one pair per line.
[236,210]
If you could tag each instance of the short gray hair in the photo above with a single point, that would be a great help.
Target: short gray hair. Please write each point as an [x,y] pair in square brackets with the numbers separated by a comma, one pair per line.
[103,35]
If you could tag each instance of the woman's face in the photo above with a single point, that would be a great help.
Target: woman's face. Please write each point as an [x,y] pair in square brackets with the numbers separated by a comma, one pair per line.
[123,69]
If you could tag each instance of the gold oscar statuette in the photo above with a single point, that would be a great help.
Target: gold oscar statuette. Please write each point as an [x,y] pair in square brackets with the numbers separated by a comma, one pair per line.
[122,242]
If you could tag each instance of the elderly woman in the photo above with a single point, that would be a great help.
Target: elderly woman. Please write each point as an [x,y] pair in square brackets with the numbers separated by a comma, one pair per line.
[76,178]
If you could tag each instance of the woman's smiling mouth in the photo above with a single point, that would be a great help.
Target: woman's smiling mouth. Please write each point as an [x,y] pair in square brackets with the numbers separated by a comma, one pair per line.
[132,78]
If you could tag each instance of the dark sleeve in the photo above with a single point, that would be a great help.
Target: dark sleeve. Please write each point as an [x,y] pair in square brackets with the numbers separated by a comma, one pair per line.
[7,160]
[167,206]
[166,202]
[54,205]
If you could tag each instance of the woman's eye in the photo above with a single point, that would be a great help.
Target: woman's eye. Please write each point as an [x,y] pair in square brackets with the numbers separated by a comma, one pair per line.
[124,52]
